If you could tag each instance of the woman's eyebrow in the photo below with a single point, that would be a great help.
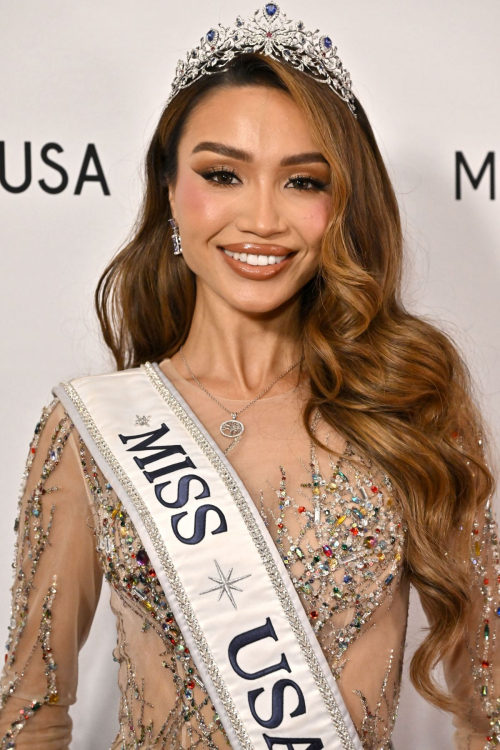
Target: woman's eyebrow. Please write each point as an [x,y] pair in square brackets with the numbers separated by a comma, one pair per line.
[306,158]
[236,153]
[223,149]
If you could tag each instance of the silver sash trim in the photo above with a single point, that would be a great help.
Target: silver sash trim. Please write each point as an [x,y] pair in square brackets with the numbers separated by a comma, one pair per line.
[103,408]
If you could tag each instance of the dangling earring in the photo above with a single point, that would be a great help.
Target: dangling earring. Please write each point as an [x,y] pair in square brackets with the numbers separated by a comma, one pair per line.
[176,238]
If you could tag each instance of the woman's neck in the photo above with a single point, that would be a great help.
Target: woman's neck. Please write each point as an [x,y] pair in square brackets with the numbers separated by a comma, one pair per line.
[238,353]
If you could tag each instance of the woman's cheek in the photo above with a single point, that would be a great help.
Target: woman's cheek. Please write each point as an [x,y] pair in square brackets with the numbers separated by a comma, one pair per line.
[197,199]
[315,220]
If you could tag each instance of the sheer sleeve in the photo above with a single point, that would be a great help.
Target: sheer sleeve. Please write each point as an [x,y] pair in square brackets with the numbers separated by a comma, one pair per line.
[472,669]
[56,587]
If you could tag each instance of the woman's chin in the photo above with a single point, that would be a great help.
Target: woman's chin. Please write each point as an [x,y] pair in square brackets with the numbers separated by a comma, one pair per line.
[256,304]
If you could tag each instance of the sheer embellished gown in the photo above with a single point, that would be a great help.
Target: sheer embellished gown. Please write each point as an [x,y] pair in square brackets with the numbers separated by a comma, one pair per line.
[336,521]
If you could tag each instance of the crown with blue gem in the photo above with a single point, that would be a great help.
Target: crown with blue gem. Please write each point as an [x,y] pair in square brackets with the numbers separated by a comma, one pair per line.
[268,32]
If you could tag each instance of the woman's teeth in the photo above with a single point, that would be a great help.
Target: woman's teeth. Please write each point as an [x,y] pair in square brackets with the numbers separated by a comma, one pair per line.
[256,260]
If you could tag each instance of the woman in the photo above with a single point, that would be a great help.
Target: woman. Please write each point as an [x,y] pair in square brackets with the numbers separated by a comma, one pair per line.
[260,564]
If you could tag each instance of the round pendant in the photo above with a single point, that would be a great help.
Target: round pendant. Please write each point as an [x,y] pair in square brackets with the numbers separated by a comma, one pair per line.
[231,428]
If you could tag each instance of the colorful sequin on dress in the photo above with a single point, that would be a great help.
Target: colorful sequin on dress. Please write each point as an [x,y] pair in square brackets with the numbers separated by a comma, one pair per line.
[337,524]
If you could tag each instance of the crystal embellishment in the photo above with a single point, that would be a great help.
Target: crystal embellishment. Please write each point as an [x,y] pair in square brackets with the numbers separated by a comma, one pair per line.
[267,32]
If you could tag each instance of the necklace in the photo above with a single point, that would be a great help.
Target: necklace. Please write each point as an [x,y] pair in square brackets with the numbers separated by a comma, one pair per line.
[233,428]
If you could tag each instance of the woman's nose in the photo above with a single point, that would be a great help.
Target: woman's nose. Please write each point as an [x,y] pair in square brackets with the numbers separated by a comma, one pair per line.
[261,213]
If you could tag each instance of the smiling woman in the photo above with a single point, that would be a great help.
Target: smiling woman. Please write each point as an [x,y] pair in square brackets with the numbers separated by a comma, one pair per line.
[244,189]
[260,566]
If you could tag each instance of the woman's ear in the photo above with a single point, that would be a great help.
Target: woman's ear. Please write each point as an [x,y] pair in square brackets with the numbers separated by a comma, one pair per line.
[171,199]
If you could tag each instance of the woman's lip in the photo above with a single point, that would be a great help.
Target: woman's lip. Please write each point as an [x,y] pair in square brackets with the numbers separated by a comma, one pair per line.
[251,247]
[255,272]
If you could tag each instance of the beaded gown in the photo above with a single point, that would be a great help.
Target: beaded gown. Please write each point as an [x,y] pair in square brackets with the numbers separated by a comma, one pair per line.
[337,523]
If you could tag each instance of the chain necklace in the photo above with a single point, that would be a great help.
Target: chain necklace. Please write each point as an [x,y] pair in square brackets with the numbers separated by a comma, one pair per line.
[233,428]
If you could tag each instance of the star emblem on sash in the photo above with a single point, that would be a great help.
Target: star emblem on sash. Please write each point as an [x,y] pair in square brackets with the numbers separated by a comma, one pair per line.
[225,585]
[142,421]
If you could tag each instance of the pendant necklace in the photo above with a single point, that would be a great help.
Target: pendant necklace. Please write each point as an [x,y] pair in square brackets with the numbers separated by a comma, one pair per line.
[233,428]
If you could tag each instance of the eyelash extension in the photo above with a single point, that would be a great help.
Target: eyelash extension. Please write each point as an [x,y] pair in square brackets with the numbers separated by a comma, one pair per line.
[318,185]
[208,173]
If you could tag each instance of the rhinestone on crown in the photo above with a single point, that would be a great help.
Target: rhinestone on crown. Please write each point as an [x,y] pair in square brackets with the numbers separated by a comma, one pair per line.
[268,32]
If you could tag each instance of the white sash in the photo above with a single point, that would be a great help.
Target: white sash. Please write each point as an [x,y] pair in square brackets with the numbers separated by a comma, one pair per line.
[249,638]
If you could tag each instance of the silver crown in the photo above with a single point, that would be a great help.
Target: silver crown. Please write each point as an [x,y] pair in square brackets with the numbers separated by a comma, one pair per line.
[270,33]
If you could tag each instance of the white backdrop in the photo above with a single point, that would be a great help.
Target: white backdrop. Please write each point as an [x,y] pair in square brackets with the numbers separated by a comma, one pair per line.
[98,73]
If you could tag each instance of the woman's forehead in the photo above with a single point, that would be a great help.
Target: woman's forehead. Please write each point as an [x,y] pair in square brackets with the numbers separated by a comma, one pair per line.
[249,118]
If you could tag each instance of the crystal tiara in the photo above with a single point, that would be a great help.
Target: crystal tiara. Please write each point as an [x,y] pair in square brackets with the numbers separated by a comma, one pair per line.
[268,32]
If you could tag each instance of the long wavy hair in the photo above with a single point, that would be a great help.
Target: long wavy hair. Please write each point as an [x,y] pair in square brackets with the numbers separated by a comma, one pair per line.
[391,382]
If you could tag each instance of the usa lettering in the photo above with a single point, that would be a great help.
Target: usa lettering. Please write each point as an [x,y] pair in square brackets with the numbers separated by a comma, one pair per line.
[246,639]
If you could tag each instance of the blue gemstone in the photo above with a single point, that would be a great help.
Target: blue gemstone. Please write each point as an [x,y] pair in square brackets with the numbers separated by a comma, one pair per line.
[498,611]
[271,9]
[327,42]
[388,579]
[210,35]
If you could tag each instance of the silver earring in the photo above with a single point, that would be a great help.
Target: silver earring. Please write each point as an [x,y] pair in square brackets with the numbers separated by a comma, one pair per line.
[176,238]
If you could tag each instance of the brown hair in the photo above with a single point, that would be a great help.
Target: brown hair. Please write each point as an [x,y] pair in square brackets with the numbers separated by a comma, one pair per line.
[391,382]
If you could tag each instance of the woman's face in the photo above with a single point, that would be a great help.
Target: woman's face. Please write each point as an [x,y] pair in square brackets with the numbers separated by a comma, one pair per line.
[252,182]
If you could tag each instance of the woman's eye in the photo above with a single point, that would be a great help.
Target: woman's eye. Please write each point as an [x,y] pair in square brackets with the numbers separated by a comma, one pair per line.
[221,177]
[228,178]
[307,183]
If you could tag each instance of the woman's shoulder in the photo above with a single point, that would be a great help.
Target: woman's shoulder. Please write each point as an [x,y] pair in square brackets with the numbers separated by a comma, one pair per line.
[52,431]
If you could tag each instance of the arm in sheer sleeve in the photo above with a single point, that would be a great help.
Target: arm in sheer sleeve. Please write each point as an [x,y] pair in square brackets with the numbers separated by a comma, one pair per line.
[472,669]
[56,587]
